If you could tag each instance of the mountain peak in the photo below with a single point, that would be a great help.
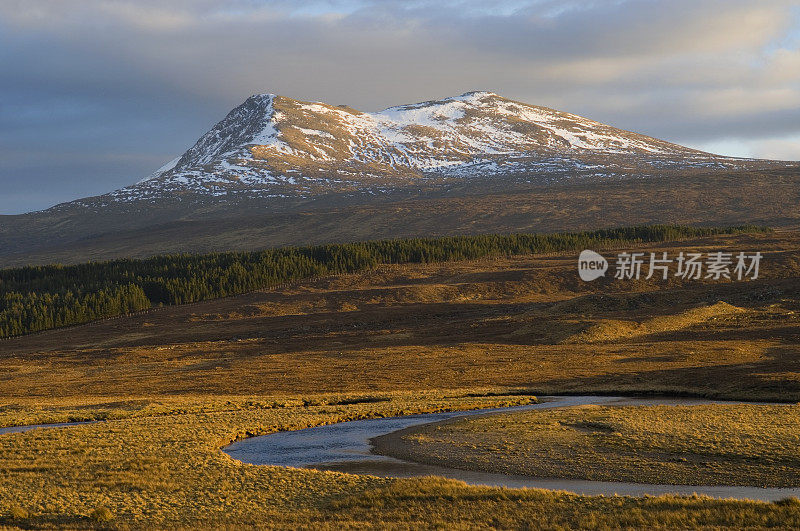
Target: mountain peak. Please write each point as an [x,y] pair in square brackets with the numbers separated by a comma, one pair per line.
[280,146]
[265,96]
[478,94]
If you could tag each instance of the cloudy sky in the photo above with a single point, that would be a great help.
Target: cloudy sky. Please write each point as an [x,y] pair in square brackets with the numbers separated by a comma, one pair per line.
[95,95]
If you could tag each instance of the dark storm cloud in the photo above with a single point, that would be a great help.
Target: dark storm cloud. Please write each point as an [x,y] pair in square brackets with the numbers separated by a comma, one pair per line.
[97,94]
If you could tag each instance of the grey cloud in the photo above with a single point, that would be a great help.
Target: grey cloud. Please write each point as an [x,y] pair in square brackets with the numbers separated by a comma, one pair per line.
[147,78]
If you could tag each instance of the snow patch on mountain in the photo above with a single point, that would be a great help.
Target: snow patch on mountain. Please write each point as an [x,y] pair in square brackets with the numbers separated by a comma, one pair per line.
[274,146]
[268,134]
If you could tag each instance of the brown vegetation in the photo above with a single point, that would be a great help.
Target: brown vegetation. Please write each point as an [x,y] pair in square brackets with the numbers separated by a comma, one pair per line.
[506,322]
[526,203]
[178,383]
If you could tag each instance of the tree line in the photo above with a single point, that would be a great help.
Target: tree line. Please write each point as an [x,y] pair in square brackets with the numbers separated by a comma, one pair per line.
[36,298]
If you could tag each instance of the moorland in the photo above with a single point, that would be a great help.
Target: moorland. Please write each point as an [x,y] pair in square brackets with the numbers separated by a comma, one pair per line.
[175,384]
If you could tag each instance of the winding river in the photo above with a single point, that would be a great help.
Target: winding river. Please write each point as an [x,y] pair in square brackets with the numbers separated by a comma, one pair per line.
[346,447]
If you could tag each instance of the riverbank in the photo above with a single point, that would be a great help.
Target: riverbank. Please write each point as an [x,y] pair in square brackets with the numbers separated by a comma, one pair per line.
[713,444]
[395,447]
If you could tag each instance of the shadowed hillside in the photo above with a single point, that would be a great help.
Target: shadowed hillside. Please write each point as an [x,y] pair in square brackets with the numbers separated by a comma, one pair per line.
[479,207]
[496,322]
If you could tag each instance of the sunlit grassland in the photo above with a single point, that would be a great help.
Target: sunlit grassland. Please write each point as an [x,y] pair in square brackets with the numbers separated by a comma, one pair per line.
[177,384]
[718,444]
[524,321]
[159,461]
[158,464]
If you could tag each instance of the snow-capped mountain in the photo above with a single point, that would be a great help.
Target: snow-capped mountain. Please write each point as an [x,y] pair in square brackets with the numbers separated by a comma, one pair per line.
[278,171]
[274,146]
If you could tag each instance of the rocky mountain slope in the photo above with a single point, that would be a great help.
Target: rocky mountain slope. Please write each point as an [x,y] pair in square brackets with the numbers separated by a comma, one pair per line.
[273,146]
[279,171]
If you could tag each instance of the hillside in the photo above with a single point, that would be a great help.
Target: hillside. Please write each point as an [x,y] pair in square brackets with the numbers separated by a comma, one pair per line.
[273,146]
[508,322]
[279,171]
[38,298]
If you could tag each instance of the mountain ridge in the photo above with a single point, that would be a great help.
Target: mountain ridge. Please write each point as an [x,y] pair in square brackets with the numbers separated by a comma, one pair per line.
[273,146]
[280,171]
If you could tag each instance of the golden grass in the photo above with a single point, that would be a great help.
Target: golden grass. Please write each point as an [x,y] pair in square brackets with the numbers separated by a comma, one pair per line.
[161,467]
[159,463]
[431,503]
[725,444]
[177,384]
[610,330]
